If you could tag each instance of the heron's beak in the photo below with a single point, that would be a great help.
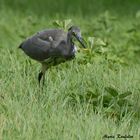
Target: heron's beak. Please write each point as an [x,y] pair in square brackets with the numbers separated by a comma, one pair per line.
[80,39]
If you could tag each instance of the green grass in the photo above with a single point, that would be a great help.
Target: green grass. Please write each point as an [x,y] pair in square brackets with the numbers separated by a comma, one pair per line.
[74,7]
[72,103]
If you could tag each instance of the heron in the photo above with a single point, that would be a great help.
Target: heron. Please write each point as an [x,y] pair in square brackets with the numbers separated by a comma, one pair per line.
[51,47]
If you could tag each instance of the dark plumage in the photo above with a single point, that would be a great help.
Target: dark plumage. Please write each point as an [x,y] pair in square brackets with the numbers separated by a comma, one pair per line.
[51,47]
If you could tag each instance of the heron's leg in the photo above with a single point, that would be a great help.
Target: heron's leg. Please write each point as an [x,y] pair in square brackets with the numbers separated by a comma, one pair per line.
[44,77]
[40,77]
[42,73]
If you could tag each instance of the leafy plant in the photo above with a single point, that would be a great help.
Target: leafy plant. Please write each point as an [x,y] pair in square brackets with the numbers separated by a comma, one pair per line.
[118,101]
[111,101]
[65,24]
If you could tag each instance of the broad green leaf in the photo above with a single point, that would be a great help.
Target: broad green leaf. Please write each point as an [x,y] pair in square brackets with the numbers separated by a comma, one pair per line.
[67,22]
[57,23]
[91,40]
[106,100]
[102,49]
[112,91]
[91,94]
[125,94]
[100,42]
[122,102]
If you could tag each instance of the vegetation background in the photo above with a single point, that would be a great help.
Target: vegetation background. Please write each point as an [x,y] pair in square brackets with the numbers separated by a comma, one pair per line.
[94,95]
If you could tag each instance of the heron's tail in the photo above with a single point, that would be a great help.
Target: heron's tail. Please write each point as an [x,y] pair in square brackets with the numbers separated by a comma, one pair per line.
[20,46]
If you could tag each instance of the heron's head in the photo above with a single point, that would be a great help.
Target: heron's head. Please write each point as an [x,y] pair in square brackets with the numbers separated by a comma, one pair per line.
[77,34]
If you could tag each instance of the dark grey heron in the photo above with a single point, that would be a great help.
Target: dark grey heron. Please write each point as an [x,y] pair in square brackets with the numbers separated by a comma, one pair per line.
[51,47]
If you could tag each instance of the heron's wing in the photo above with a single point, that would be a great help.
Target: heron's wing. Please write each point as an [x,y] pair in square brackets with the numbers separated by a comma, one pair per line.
[40,43]
[36,48]
[41,47]
[52,48]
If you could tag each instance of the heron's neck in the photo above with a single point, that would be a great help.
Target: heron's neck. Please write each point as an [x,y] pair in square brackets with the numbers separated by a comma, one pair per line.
[69,38]
[69,42]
